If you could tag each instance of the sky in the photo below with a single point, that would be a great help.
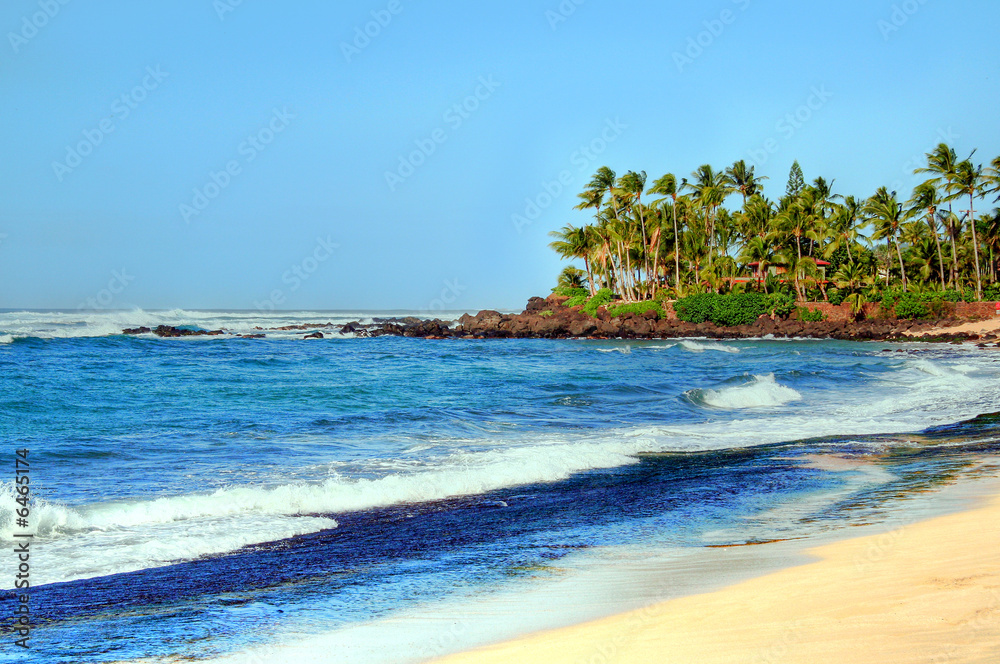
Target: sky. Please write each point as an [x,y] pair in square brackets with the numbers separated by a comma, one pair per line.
[251,154]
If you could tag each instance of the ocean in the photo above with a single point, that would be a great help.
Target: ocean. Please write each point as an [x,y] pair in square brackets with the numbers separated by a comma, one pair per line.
[394,499]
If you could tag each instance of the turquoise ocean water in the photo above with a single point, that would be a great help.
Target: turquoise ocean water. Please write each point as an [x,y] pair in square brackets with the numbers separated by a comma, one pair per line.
[214,498]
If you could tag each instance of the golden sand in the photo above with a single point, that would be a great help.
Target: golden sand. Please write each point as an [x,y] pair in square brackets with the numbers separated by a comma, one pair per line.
[927,592]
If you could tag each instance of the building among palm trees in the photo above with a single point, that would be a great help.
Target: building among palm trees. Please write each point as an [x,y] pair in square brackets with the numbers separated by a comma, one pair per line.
[763,270]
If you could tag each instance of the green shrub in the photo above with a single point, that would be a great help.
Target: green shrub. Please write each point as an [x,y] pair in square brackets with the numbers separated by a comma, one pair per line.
[576,301]
[695,308]
[810,315]
[836,296]
[927,304]
[742,309]
[569,291]
[600,299]
[889,298]
[638,308]
[734,309]
[780,304]
[665,294]
[911,305]
[546,314]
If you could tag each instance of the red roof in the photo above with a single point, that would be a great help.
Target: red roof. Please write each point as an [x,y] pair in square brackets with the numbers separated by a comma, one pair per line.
[757,263]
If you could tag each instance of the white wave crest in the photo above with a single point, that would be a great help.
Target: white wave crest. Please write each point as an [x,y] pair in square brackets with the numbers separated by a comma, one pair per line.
[625,350]
[761,392]
[702,346]
[931,368]
[6,339]
[141,534]
[88,323]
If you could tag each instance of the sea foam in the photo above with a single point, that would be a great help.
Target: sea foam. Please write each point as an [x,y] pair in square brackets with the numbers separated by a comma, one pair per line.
[702,346]
[141,534]
[761,392]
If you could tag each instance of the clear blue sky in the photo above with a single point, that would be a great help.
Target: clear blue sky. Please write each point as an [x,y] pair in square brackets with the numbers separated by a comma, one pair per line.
[309,129]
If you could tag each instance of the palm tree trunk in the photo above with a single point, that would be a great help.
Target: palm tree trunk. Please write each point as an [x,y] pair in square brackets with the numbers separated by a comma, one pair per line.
[975,248]
[609,268]
[954,249]
[902,270]
[645,241]
[937,241]
[656,262]
[677,250]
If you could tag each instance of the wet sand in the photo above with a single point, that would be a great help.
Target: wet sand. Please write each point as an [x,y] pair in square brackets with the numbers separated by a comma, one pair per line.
[925,592]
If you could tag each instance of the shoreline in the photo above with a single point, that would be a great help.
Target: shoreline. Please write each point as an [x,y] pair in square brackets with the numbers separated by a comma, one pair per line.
[549,319]
[927,591]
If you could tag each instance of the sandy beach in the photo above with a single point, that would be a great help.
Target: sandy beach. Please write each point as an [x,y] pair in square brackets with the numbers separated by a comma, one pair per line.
[926,592]
[981,327]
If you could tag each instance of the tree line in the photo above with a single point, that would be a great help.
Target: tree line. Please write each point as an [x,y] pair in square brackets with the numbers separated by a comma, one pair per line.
[677,237]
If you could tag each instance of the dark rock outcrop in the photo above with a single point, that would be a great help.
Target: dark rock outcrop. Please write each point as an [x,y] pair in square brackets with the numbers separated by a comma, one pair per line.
[547,318]
[170,331]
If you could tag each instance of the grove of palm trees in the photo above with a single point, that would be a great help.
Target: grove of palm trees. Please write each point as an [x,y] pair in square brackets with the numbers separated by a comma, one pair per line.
[718,232]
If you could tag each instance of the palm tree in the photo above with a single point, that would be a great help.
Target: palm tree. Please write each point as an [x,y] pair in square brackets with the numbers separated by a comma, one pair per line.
[667,186]
[603,181]
[991,238]
[968,181]
[941,164]
[845,225]
[570,277]
[757,216]
[851,276]
[741,178]
[887,215]
[993,178]
[572,242]
[632,185]
[758,250]
[925,201]
[710,189]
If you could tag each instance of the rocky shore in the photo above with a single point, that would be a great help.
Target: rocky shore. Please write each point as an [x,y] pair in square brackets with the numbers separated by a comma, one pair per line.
[546,318]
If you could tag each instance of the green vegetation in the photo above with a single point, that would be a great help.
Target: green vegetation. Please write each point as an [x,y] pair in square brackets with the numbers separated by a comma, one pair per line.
[810,315]
[927,303]
[733,309]
[568,291]
[910,306]
[810,243]
[601,299]
[638,308]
